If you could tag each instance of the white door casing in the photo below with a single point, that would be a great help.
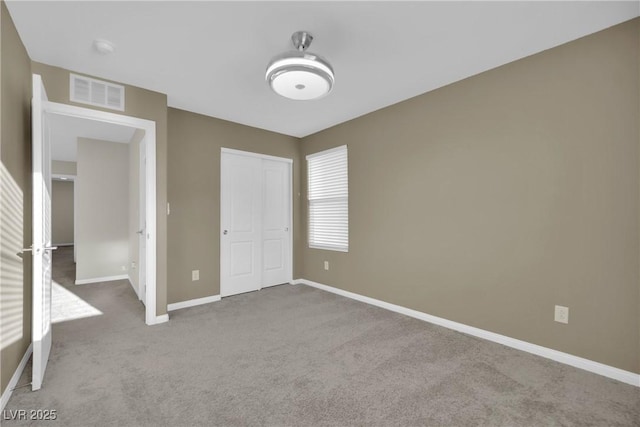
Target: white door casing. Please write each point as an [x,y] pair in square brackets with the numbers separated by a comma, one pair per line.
[41,248]
[142,225]
[149,141]
[255,219]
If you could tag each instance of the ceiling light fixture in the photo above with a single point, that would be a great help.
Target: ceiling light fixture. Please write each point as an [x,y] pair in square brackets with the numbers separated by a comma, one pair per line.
[299,74]
[104,46]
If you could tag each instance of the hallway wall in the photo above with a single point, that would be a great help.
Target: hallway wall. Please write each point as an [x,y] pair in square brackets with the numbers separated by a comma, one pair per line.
[62,212]
[102,223]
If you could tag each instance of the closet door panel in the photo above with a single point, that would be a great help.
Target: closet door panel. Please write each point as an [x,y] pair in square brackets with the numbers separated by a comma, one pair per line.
[241,222]
[276,222]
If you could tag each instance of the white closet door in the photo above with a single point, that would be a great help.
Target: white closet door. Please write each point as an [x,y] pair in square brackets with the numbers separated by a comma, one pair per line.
[276,196]
[255,240]
[241,219]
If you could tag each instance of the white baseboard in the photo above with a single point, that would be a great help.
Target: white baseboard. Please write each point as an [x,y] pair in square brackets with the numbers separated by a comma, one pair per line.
[163,318]
[192,302]
[6,395]
[558,356]
[102,279]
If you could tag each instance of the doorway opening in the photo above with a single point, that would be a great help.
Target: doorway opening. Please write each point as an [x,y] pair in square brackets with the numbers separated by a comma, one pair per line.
[94,142]
[43,113]
[97,209]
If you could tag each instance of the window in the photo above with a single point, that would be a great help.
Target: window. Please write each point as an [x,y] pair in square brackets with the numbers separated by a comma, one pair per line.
[328,193]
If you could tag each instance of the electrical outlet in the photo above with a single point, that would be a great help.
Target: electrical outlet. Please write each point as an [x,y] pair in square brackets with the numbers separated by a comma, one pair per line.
[123,267]
[133,265]
[195,275]
[326,265]
[561,314]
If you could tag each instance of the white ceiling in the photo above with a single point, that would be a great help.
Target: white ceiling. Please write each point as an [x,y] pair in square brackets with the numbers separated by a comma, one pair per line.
[210,57]
[66,130]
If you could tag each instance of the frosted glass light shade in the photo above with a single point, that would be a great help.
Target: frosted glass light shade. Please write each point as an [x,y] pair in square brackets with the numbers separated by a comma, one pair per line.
[300,76]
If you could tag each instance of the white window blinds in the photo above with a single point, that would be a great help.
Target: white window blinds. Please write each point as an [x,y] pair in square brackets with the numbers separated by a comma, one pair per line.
[328,193]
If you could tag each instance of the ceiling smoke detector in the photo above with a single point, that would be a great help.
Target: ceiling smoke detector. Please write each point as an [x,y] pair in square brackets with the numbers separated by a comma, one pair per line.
[104,47]
[300,75]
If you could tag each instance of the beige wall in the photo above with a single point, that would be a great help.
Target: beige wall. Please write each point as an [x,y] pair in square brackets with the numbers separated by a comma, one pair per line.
[62,212]
[102,221]
[485,202]
[143,104]
[59,167]
[15,155]
[489,201]
[194,195]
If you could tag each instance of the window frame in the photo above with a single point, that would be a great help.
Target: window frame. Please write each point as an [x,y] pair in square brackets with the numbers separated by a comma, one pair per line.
[342,198]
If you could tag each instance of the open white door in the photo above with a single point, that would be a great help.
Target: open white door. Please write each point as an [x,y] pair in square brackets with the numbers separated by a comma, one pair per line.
[41,249]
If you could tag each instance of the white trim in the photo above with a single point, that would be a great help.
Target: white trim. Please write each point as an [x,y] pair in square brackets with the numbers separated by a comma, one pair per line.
[566,358]
[291,230]
[103,116]
[13,382]
[142,221]
[323,152]
[63,177]
[149,128]
[101,279]
[328,248]
[250,154]
[151,229]
[192,302]
[159,319]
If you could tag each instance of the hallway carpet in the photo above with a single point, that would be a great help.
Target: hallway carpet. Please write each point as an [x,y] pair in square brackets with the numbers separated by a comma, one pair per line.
[298,356]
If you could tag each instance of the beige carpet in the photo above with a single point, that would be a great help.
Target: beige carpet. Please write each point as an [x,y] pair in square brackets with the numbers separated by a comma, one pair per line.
[297,356]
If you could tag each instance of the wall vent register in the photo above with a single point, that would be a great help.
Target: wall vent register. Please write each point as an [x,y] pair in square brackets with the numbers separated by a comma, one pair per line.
[85,90]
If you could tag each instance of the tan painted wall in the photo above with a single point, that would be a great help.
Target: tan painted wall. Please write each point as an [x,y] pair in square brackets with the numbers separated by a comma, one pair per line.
[63,168]
[194,195]
[485,202]
[143,104]
[62,212]
[489,201]
[15,155]
[102,211]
